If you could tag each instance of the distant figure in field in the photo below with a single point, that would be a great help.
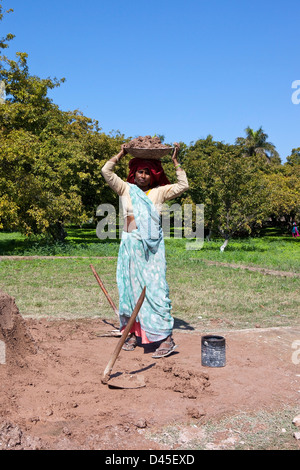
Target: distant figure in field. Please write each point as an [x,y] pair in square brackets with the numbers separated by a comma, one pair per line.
[295,230]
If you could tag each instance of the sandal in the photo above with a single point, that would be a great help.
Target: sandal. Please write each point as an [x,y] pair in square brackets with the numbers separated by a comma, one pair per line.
[130,343]
[165,348]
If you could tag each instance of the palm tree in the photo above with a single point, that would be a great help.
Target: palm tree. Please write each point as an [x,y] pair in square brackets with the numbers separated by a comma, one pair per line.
[255,143]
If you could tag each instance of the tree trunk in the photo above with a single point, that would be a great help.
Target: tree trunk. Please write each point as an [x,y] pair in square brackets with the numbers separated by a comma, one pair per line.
[58,232]
[209,235]
[222,248]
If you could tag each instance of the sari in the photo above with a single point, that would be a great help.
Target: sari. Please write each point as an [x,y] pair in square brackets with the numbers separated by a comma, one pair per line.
[142,262]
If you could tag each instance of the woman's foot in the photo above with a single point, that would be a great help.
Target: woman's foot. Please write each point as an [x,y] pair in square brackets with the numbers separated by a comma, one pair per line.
[165,348]
[130,343]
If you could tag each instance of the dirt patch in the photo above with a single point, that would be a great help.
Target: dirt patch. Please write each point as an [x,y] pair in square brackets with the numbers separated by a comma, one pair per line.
[54,399]
[271,272]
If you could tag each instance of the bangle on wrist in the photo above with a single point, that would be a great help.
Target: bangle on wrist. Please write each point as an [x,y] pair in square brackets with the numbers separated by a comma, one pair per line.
[177,166]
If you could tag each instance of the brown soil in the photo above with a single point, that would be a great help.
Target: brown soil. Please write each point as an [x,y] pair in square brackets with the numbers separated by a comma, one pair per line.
[145,142]
[52,397]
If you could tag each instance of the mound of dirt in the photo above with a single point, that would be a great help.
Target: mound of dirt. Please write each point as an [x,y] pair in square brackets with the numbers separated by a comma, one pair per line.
[146,142]
[190,383]
[13,332]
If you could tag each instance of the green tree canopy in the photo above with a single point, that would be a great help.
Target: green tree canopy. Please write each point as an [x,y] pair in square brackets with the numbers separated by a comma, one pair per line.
[294,158]
[229,185]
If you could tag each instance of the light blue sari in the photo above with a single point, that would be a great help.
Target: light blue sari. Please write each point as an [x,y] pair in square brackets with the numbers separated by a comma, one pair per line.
[142,262]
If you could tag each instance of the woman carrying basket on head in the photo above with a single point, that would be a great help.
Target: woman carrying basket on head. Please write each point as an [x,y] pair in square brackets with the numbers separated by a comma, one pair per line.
[141,259]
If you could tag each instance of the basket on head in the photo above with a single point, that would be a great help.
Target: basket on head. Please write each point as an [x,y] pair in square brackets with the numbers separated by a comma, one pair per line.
[149,153]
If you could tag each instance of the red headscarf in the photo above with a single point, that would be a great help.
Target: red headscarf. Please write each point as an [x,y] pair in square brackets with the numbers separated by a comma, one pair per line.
[158,176]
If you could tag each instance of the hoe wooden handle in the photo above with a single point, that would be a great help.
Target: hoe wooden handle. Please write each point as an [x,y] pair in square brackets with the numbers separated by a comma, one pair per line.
[108,369]
[104,291]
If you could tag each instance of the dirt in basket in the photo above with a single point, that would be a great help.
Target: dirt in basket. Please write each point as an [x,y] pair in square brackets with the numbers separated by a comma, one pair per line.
[145,142]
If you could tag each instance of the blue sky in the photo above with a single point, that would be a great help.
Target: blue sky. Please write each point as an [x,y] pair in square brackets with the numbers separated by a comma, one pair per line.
[184,69]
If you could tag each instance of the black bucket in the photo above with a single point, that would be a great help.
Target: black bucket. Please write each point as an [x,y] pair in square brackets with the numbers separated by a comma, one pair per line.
[213,351]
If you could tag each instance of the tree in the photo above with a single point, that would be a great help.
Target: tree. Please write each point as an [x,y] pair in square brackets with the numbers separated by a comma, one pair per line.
[200,160]
[283,187]
[283,202]
[290,190]
[294,159]
[50,168]
[255,143]
[230,186]
[50,160]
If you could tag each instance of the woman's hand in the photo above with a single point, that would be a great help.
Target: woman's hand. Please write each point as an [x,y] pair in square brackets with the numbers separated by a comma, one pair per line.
[175,153]
[123,150]
[121,154]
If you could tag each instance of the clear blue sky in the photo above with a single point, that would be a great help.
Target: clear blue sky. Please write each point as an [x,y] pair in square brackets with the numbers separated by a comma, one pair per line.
[184,69]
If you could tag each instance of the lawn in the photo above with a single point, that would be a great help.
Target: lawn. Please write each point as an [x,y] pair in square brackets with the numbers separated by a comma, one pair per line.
[273,251]
[204,292]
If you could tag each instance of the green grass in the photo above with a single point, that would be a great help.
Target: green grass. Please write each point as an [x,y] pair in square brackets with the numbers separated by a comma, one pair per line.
[233,298]
[59,288]
[79,242]
[273,251]
[203,295]
[262,430]
[280,253]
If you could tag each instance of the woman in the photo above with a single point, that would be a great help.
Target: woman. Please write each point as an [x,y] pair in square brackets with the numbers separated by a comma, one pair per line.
[141,259]
[295,231]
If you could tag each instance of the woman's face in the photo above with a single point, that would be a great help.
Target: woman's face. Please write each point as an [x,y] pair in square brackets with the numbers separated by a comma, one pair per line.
[142,178]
